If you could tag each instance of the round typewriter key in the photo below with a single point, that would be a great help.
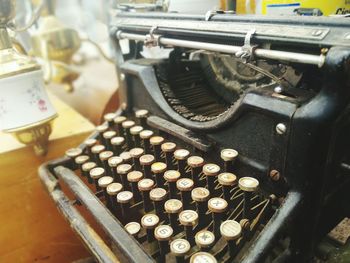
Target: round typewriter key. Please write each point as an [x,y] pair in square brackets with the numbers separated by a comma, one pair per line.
[173,207]
[158,169]
[96,150]
[127,126]
[103,182]
[204,240]
[229,156]
[86,168]
[118,121]
[100,130]
[185,186]
[124,198]
[196,163]
[117,144]
[180,247]
[168,148]
[113,162]
[158,196]
[109,117]
[189,218]
[104,156]
[201,195]
[135,133]
[134,177]
[136,153]
[227,181]
[95,174]
[142,115]
[163,234]
[203,257]
[72,154]
[108,135]
[150,221]
[80,160]
[146,161]
[217,206]
[171,176]
[112,190]
[90,143]
[156,142]
[211,171]
[181,155]
[145,136]
[249,185]
[133,228]
[145,186]
[231,230]
[126,157]
[123,170]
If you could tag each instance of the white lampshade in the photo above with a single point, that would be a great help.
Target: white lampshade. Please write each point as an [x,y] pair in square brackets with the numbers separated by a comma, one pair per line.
[24,101]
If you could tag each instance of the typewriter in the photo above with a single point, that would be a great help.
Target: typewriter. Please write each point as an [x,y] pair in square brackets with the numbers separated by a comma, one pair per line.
[230,145]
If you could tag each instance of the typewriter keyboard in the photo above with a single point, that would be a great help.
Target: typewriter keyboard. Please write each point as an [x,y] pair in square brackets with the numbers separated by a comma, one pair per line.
[180,205]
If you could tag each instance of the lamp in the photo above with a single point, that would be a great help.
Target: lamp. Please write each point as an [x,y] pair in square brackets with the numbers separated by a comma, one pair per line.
[25,109]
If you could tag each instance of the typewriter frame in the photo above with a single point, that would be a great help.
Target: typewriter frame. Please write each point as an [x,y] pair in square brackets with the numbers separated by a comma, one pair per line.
[308,205]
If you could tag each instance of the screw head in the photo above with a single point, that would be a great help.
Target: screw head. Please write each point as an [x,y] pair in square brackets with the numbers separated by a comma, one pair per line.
[275,175]
[317,32]
[278,89]
[281,128]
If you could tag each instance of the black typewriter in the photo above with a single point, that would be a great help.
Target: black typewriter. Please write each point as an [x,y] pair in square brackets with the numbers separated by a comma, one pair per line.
[231,143]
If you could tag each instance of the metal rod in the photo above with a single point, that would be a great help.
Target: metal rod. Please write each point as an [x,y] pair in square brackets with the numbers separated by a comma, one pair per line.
[302,58]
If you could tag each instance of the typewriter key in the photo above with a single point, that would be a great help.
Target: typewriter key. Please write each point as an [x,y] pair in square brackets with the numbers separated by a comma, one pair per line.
[126,157]
[112,190]
[104,156]
[185,186]
[103,182]
[134,177]
[145,186]
[135,133]
[109,118]
[80,160]
[133,228]
[181,155]
[204,240]
[118,121]
[117,144]
[231,230]
[217,206]
[179,248]
[96,173]
[72,154]
[196,163]
[127,126]
[203,257]
[108,135]
[136,153]
[156,142]
[173,207]
[189,218]
[124,198]
[249,185]
[227,181]
[158,169]
[201,195]
[163,234]
[145,136]
[211,171]
[113,162]
[168,149]
[171,176]
[158,196]
[96,150]
[146,161]
[123,170]
[86,168]
[150,221]
[100,130]
[142,116]
[229,156]
[90,143]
